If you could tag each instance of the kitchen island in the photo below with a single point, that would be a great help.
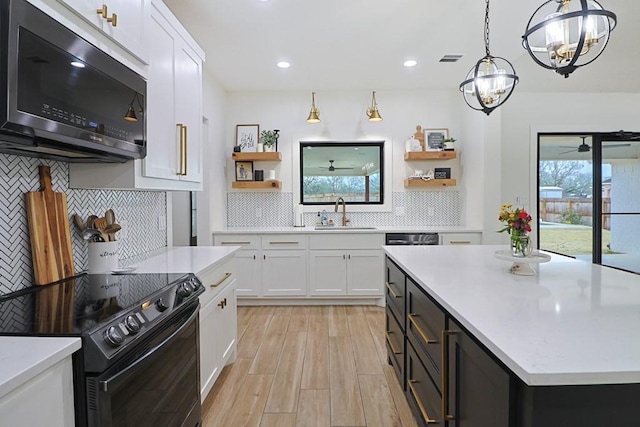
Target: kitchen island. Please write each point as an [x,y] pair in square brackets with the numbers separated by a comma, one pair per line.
[556,349]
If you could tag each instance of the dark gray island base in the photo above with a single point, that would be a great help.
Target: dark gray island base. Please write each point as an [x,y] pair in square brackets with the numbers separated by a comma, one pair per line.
[451,379]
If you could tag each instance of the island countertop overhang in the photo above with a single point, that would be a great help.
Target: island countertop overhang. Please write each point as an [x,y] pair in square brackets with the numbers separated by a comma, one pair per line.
[572,324]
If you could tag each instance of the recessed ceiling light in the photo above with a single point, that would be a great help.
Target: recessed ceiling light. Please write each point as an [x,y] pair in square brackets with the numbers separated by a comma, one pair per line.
[77,64]
[410,63]
[282,64]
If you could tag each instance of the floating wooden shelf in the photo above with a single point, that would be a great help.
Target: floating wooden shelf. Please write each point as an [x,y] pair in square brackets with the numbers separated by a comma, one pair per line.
[430,155]
[420,183]
[274,156]
[256,184]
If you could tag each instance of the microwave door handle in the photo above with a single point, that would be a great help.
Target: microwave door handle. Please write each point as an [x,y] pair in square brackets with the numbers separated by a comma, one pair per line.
[105,384]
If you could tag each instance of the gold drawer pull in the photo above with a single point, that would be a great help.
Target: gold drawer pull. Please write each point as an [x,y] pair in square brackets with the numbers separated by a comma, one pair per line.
[225,277]
[103,11]
[391,343]
[391,290]
[460,242]
[423,411]
[235,243]
[222,304]
[113,20]
[412,319]
[284,243]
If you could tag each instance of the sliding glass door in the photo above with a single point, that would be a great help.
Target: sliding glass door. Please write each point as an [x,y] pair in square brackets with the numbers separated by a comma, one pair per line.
[589,197]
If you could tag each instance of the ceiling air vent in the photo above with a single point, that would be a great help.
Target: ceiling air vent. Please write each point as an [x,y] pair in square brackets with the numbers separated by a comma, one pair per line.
[450,58]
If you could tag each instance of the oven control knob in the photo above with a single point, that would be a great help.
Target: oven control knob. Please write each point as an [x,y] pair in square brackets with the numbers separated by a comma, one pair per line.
[132,324]
[185,289]
[113,337]
[162,306]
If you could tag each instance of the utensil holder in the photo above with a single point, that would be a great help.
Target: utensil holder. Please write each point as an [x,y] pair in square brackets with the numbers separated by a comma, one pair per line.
[103,257]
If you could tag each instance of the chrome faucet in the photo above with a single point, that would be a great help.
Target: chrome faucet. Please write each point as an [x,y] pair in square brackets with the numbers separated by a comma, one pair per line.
[345,220]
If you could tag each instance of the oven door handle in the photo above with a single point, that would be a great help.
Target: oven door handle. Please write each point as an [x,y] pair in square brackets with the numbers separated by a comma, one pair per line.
[104,384]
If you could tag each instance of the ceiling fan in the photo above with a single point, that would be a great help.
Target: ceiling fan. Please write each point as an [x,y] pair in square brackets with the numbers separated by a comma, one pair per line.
[585,148]
[331,168]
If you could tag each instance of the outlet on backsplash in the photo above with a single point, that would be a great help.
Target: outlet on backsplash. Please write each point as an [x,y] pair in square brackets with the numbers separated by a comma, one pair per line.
[400,211]
[162,222]
[124,229]
[430,211]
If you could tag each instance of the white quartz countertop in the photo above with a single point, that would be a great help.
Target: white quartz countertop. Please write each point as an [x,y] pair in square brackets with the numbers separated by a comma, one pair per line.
[310,229]
[23,358]
[184,259]
[572,323]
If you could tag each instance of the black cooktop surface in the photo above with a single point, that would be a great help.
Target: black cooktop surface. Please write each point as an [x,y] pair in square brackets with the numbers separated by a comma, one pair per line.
[77,305]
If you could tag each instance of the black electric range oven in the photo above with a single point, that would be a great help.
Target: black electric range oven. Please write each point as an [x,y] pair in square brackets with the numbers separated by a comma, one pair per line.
[139,363]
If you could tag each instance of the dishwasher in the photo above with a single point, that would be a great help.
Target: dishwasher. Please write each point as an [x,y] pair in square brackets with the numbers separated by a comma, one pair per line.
[412,239]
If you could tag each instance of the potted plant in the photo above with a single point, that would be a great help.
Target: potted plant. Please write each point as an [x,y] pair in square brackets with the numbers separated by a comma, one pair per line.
[448,143]
[269,139]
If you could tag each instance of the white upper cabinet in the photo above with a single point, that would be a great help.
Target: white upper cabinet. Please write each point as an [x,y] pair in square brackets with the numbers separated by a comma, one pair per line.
[121,20]
[173,114]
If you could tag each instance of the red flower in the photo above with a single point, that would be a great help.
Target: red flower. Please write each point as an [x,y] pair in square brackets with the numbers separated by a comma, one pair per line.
[523,214]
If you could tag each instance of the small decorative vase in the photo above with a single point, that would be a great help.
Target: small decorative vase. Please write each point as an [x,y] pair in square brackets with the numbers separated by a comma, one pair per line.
[520,245]
[260,148]
[269,148]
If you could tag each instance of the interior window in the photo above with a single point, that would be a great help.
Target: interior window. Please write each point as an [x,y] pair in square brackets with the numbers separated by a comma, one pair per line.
[351,170]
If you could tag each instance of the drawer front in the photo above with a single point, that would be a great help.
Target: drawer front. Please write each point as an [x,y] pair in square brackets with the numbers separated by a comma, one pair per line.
[284,241]
[461,238]
[247,241]
[346,240]
[425,323]
[395,346]
[215,279]
[422,394]
[395,290]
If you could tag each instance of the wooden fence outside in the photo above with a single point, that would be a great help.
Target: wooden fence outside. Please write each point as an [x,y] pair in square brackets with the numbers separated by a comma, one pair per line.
[551,210]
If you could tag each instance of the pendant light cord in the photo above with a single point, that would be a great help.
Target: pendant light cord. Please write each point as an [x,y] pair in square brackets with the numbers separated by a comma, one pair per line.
[486,29]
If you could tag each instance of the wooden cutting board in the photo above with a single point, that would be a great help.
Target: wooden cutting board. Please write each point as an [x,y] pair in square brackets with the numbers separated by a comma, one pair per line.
[48,219]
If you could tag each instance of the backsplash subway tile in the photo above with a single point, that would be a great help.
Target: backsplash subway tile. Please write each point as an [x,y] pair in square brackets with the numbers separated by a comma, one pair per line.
[276,210]
[19,175]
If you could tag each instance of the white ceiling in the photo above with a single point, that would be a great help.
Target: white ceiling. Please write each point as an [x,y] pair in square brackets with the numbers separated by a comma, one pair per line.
[361,44]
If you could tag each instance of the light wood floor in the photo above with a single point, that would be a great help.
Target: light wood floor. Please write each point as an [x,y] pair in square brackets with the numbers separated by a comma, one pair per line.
[308,366]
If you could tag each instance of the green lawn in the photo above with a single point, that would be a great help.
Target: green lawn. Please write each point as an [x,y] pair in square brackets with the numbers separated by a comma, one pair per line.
[571,241]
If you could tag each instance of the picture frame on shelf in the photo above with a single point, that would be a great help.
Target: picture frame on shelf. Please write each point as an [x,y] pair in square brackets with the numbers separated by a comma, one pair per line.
[244,171]
[247,138]
[435,138]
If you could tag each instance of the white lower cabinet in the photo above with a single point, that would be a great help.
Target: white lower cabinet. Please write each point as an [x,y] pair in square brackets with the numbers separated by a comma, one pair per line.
[45,400]
[339,272]
[284,273]
[248,267]
[218,323]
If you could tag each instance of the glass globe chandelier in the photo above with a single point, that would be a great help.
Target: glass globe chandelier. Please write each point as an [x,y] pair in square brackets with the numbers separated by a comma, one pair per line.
[491,81]
[563,35]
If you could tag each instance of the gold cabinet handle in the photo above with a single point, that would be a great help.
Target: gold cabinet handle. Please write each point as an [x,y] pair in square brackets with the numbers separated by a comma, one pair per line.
[388,335]
[225,277]
[103,11]
[284,243]
[460,242]
[413,321]
[391,290]
[235,243]
[186,149]
[423,411]
[445,373]
[113,20]
[181,170]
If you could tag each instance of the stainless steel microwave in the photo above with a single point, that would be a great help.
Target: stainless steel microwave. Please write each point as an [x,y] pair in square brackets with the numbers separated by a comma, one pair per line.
[63,98]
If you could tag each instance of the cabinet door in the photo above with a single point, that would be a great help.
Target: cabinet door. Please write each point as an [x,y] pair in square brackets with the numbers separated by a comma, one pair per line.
[188,75]
[163,148]
[227,324]
[364,272]
[327,272]
[284,273]
[477,392]
[248,273]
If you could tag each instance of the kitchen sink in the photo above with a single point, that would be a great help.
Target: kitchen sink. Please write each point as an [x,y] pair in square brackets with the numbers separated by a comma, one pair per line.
[342,228]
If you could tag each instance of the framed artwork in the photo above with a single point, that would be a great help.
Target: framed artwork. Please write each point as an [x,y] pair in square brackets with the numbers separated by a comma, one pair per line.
[244,171]
[435,138]
[247,137]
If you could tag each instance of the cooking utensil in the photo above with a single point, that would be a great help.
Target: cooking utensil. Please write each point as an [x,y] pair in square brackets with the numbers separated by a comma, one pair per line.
[111,231]
[48,219]
[90,234]
[110,216]
[90,220]
[100,224]
[79,223]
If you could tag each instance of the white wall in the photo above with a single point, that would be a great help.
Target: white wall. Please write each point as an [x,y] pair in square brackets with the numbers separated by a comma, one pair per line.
[343,118]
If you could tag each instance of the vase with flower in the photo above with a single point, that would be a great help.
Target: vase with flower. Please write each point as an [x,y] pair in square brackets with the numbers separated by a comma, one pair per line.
[517,224]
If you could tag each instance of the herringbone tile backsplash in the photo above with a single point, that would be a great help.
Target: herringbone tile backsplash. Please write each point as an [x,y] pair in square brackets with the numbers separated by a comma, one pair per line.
[18,175]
